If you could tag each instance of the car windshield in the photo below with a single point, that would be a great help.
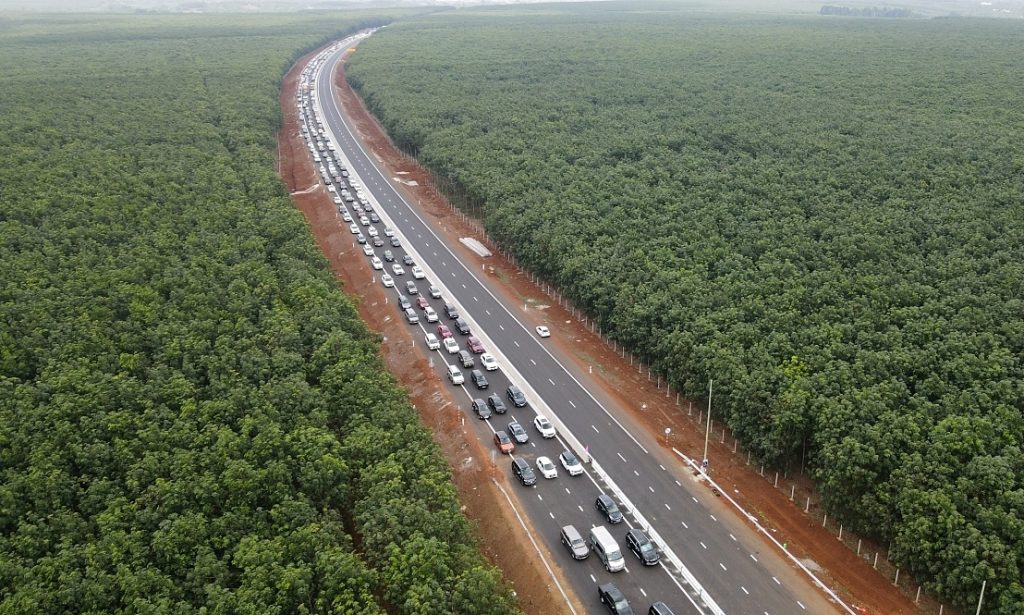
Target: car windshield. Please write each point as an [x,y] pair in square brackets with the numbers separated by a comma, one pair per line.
[502,438]
[569,458]
[646,547]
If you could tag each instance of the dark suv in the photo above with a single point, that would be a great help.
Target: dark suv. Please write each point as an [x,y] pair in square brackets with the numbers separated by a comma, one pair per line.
[478,379]
[516,396]
[523,472]
[461,326]
[481,409]
[612,598]
[496,404]
[638,542]
[450,311]
[607,507]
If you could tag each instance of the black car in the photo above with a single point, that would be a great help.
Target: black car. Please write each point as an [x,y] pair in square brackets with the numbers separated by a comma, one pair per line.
[518,433]
[612,598]
[641,545]
[461,326]
[378,242]
[496,404]
[516,396]
[481,409]
[523,472]
[450,311]
[478,379]
[389,256]
[373,217]
[408,261]
[404,302]
[660,608]
[607,507]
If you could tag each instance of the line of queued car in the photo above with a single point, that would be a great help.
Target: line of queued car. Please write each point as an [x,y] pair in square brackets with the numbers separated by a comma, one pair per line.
[347,193]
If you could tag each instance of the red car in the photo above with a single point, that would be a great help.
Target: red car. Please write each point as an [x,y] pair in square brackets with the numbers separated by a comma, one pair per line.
[504,443]
[474,345]
[422,302]
[443,332]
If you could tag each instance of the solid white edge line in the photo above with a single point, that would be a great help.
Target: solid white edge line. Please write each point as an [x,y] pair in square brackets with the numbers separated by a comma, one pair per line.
[536,547]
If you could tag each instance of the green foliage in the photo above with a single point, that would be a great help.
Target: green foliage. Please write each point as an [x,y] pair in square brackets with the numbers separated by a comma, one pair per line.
[182,386]
[822,215]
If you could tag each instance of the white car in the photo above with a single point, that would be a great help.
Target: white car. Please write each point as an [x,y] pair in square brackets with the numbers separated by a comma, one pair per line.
[489,362]
[397,269]
[348,218]
[331,188]
[432,342]
[418,273]
[389,232]
[354,229]
[376,262]
[450,344]
[435,292]
[387,281]
[364,221]
[372,232]
[543,331]
[544,426]
[570,463]
[431,314]
[367,249]
[337,200]
[547,469]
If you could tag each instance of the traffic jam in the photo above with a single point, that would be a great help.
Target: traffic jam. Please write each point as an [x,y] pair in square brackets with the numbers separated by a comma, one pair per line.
[536,455]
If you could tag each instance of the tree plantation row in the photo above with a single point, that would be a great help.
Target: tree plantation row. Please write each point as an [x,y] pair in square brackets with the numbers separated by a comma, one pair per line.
[821,215]
[192,417]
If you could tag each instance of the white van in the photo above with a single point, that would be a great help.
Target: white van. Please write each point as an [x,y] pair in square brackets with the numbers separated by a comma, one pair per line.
[455,375]
[607,550]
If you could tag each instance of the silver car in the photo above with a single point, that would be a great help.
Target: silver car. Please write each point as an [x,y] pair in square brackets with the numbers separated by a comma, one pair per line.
[574,542]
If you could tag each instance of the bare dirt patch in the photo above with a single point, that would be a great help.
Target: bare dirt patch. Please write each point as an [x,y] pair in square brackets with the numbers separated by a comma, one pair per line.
[475,476]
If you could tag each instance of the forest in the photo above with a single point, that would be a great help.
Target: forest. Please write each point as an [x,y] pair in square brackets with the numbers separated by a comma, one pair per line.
[193,419]
[821,215]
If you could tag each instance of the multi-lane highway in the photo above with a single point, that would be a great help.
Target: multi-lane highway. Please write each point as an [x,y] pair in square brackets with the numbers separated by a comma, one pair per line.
[708,565]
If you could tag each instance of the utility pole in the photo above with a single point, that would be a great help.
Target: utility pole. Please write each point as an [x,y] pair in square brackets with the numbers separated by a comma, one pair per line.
[981,597]
[707,432]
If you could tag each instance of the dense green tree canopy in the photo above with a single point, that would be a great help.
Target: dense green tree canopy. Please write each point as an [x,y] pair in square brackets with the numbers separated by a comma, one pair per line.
[192,417]
[824,216]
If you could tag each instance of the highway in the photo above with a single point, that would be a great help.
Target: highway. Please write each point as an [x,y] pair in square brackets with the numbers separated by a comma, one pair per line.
[724,557]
